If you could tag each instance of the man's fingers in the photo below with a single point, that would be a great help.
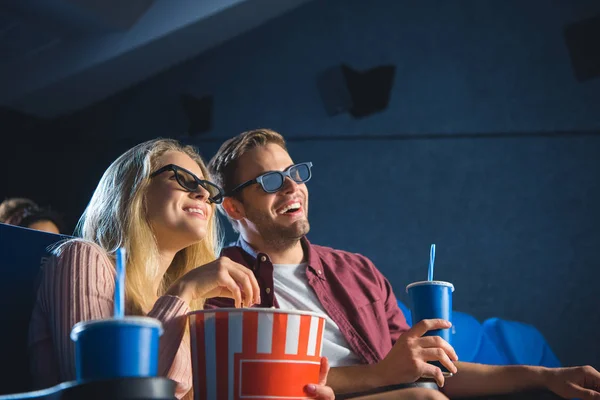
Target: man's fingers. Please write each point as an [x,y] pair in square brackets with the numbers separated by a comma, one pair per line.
[437,354]
[426,325]
[323,371]
[431,371]
[436,341]
[320,392]
[576,391]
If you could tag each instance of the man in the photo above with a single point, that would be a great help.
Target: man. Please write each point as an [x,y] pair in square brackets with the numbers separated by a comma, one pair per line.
[368,342]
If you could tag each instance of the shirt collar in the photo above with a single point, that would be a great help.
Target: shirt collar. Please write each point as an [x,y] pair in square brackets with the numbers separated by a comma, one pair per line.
[313,259]
[246,247]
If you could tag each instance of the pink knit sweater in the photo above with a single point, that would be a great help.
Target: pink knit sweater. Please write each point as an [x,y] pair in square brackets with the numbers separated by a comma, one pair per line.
[78,285]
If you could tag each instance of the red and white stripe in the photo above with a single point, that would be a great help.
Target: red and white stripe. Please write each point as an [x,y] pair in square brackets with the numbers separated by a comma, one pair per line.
[235,352]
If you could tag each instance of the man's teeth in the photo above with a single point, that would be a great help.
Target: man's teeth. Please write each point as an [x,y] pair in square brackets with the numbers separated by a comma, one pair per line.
[195,210]
[293,206]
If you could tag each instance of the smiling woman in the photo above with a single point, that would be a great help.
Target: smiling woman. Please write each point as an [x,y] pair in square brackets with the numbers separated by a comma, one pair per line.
[157,201]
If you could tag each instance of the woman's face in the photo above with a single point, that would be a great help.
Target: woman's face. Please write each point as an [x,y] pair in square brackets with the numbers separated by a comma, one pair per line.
[178,218]
[44,225]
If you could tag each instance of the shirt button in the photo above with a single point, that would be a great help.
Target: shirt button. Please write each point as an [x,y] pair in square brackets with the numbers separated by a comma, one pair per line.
[263,259]
[319,272]
[268,290]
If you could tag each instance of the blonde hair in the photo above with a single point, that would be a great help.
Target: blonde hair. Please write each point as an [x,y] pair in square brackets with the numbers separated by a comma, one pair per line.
[116,217]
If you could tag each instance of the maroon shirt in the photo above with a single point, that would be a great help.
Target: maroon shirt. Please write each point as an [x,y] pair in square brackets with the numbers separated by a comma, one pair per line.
[357,297]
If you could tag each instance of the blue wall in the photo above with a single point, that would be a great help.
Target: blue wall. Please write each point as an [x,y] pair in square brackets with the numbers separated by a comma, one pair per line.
[463,157]
[462,67]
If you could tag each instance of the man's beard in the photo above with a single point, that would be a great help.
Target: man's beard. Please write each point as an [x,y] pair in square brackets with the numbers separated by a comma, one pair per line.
[276,235]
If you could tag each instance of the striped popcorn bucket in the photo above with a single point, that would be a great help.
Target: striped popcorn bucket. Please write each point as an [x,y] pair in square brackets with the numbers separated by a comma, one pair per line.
[255,353]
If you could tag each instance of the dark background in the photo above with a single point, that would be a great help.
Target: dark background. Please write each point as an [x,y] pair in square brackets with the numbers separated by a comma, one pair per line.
[489,146]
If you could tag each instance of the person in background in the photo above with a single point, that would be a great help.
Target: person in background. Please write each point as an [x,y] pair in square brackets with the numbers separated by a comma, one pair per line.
[26,213]
[156,201]
[366,339]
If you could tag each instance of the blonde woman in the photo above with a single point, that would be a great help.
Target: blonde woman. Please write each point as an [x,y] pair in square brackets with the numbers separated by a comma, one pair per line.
[156,201]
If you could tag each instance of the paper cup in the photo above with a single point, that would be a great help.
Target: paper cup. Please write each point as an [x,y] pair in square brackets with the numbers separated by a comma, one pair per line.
[432,300]
[255,353]
[116,348]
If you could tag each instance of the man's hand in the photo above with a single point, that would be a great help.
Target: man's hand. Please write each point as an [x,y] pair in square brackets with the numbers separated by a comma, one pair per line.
[575,382]
[320,391]
[407,361]
[406,394]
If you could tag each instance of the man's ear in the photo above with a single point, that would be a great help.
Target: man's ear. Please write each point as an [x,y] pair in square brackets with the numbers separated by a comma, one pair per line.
[234,208]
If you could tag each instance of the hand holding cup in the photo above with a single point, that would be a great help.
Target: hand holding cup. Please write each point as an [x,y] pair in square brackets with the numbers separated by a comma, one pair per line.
[408,360]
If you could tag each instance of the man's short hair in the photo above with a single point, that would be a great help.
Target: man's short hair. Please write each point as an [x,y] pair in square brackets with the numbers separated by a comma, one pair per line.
[223,166]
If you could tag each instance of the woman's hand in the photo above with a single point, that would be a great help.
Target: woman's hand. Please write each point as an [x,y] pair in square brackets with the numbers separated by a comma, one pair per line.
[220,278]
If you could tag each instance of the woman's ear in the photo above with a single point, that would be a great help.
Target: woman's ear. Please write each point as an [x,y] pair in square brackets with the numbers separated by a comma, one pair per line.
[234,208]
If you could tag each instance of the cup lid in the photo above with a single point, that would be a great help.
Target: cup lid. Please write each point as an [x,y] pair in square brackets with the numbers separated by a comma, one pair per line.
[271,310]
[128,320]
[427,283]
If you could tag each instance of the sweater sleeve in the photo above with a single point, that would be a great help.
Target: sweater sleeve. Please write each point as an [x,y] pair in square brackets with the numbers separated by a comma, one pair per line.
[174,359]
[79,284]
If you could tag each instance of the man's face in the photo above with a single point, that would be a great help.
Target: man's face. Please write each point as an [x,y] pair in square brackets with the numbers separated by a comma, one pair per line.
[276,217]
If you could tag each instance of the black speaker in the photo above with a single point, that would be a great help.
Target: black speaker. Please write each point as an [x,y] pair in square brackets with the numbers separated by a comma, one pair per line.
[360,93]
[583,42]
[198,112]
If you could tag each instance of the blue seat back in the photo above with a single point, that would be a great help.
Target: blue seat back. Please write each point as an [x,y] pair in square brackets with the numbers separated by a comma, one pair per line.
[406,311]
[22,251]
[521,343]
[466,335]
[471,342]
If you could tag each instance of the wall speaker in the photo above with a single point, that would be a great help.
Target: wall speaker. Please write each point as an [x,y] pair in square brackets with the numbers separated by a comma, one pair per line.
[198,112]
[583,42]
[361,93]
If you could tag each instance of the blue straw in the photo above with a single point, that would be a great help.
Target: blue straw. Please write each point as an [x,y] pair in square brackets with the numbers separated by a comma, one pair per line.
[431,261]
[120,284]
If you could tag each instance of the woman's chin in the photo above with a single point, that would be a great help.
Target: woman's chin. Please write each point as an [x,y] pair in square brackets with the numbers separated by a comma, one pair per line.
[196,236]
[185,235]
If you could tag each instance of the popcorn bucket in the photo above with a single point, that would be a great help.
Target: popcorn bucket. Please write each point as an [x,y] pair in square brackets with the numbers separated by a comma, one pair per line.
[255,353]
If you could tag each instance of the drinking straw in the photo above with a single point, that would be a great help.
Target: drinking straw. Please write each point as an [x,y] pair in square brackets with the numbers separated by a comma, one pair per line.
[431,261]
[120,284]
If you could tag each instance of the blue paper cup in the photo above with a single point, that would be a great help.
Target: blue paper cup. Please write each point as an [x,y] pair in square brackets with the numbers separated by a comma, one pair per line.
[432,300]
[115,348]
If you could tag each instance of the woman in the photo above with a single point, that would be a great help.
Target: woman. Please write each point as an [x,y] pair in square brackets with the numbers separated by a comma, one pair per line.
[154,201]
[26,213]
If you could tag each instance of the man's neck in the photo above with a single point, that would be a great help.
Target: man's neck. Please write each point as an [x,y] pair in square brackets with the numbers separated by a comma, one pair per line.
[281,252]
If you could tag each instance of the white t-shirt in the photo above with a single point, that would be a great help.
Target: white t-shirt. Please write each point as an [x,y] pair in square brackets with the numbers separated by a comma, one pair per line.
[294,293]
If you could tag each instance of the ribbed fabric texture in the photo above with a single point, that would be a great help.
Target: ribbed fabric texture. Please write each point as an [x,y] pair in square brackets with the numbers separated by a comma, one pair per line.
[78,284]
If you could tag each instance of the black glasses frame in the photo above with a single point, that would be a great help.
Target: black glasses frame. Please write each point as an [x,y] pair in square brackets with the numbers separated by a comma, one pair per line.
[206,185]
[283,174]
